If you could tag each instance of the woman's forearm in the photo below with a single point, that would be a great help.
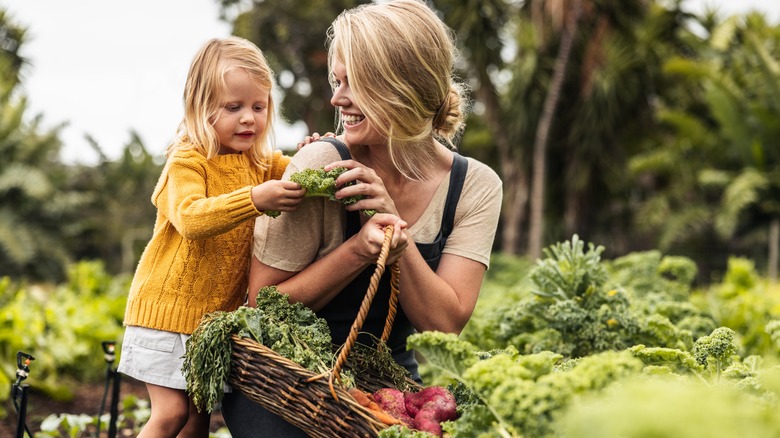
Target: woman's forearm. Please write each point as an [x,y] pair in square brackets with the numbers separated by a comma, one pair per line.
[443,300]
[317,284]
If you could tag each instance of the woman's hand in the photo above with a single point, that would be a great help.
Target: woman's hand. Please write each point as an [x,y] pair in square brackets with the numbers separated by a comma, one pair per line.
[367,184]
[369,240]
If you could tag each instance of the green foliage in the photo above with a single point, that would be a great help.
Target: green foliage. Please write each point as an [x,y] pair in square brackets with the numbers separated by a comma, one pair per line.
[117,222]
[568,271]
[505,394]
[745,304]
[322,183]
[445,351]
[290,329]
[673,360]
[61,326]
[516,393]
[569,310]
[402,432]
[716,350]
[529,381]
[666,407]
[319,182]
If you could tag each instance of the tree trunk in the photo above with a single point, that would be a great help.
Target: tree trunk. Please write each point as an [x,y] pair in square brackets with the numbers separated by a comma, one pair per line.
[774,245]
[512,174]
[536,230]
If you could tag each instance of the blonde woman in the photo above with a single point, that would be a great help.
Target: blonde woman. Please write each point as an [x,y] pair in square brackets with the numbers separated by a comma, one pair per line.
[399,109]
[220,173]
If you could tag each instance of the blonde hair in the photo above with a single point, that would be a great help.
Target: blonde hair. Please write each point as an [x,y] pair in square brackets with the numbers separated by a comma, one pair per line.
[204,89]
[399,58]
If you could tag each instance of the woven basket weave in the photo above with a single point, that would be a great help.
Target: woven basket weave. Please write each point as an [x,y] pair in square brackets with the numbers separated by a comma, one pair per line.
[310,401]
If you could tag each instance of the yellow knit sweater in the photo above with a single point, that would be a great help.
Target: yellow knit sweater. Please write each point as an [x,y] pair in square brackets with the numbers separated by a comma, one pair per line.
[197,260]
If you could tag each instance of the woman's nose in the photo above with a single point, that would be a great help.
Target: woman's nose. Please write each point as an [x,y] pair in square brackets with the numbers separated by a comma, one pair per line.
[339,98]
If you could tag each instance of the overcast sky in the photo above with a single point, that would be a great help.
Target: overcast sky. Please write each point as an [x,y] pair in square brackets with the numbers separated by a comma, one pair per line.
[106,67]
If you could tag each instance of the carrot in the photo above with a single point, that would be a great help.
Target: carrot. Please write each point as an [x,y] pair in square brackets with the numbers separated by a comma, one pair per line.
[367,400]
[361,397]
[381,415]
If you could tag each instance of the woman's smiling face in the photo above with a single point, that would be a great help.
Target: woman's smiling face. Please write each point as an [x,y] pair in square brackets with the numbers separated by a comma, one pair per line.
[357,128]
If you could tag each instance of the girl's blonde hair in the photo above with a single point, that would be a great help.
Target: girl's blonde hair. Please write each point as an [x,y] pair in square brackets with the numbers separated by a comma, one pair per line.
[399,58]
[206,88]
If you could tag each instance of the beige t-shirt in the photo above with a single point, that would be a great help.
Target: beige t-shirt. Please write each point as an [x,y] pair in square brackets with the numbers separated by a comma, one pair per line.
[294,240]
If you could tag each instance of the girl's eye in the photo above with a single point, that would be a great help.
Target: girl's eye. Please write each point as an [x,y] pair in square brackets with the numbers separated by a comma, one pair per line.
[259,108]
[232,107]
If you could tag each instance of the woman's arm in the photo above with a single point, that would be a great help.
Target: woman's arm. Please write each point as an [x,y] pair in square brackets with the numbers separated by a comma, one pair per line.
[318,283]
[452,291]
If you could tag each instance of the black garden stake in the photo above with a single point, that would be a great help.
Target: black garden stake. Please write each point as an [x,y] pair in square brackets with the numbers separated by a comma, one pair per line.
[19,391]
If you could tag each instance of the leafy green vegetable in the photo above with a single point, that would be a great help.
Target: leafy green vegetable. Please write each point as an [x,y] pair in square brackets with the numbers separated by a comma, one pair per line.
[568,271]
[403,432]
[319,182]
[716,349]
[290,329]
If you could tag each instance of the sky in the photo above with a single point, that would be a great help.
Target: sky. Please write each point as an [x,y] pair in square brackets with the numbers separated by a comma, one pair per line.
[104,68]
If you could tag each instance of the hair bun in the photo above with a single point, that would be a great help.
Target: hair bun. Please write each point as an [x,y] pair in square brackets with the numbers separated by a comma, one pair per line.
[448,120]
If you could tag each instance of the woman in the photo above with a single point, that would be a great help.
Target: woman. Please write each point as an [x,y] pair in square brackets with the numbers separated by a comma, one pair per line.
[399,110]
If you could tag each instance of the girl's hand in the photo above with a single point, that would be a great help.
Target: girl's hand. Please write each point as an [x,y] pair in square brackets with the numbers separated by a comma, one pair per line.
[277,195]
[368,241]
[367,184]
[314,137]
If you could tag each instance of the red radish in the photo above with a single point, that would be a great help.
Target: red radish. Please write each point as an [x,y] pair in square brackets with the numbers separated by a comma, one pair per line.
[445,401]
[391,401]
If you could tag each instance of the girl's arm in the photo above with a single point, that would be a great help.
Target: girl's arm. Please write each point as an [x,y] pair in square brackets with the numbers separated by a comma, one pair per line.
[182,197]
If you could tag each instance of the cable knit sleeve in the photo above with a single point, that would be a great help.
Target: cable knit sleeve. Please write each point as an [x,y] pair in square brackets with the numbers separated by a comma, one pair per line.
[192,195]
[278,163]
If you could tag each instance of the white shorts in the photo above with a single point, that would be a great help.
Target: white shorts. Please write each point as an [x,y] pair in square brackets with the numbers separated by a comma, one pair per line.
[153,356]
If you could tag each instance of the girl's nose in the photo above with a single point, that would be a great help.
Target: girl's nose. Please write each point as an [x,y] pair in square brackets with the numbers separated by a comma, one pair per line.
[247,118]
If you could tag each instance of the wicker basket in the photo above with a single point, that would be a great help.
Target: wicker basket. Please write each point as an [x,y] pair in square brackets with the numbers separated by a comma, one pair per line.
[310,401]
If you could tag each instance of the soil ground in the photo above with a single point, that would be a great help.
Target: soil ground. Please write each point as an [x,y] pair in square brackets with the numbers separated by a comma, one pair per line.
[87,400]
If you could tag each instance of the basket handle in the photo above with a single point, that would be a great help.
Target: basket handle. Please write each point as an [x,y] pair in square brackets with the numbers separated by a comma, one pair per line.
[366,304]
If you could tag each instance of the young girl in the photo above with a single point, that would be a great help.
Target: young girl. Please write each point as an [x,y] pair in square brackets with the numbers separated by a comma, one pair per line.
[221,173]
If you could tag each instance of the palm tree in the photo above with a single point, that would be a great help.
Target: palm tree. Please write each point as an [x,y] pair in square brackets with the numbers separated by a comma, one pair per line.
[482,27]
[738,81]
[568,17]
[117,223]
[37,210]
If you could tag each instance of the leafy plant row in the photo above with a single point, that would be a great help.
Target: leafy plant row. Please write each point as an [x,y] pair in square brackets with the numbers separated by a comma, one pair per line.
[576,346]
[62,326]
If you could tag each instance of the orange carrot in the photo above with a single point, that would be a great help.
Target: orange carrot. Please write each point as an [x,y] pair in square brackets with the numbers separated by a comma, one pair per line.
[359,396]
[383,416]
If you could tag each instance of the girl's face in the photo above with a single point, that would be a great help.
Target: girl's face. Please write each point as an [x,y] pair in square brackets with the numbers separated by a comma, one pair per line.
[357,128]
[243,116]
